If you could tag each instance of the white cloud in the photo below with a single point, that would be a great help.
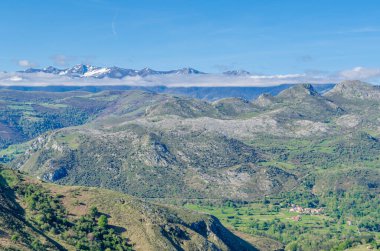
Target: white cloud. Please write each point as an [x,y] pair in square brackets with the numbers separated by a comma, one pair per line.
[25,63]
[280,76]
[15,78]
[361,73]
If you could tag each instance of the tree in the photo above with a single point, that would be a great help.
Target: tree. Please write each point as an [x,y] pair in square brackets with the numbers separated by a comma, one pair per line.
[37,245]
[102,221]
[15,237]
[94,212]
[292,246]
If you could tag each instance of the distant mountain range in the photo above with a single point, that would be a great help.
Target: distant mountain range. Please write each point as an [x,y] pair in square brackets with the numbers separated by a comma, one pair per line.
[90,71]
[206,93]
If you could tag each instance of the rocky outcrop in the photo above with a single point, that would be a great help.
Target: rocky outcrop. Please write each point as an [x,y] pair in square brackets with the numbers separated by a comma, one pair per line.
[355,90]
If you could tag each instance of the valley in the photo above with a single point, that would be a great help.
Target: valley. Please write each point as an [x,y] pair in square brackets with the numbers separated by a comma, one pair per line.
[189,125]
[245,162]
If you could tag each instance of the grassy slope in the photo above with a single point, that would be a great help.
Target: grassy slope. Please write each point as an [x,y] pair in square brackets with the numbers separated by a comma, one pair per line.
[147,226]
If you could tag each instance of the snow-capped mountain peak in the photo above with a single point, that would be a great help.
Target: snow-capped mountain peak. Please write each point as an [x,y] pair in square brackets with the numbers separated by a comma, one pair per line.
[90,71]
[97,72]
[51,69]
[80,70]
[188,70]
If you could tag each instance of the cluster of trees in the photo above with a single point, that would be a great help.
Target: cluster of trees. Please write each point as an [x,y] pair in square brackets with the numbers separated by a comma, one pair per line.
[329,243]
[47,211]
[303,237]
[350,218]
[358,206]
[354,218]
[89,232]
[28,119]
[49,120]
[357,148]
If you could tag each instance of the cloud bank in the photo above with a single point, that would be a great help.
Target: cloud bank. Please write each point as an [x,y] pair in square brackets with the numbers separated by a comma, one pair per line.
[362,73]
[371,75]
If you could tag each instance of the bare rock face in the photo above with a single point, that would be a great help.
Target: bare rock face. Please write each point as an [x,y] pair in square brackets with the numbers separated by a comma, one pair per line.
[298,91]
[264,100]
[55,174]
[355,90]
[349,121]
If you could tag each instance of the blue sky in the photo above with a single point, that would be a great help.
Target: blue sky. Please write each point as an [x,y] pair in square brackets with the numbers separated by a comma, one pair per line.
[261,36]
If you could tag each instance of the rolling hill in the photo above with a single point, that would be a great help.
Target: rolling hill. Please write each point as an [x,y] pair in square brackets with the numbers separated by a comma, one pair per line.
[41,216]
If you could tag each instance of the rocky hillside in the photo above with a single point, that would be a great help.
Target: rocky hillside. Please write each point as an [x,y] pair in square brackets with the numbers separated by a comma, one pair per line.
[42,216]
[355,90]
[164,146]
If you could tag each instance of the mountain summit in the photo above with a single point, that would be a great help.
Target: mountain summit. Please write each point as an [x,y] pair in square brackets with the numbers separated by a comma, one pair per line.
[355,89]
[299,91]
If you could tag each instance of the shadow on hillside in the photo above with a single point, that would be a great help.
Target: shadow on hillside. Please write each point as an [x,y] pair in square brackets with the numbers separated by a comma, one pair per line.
[233,241]
[118,230]
[8,198]
[10,207]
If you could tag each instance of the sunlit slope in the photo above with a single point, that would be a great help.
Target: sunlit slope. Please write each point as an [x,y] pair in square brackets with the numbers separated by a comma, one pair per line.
[27,221]
[155,145]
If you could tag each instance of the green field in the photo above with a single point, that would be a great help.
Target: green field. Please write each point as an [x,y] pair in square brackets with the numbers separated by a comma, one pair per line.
[272,218]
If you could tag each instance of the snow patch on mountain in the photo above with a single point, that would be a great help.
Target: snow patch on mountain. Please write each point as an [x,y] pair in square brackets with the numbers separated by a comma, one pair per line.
[89,71]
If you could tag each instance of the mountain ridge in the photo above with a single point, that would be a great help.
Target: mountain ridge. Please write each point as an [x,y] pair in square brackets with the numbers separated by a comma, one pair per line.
[199,146]
[84,70]
[355,89]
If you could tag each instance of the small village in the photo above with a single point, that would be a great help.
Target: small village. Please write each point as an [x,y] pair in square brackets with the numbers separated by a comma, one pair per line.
[305,210]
